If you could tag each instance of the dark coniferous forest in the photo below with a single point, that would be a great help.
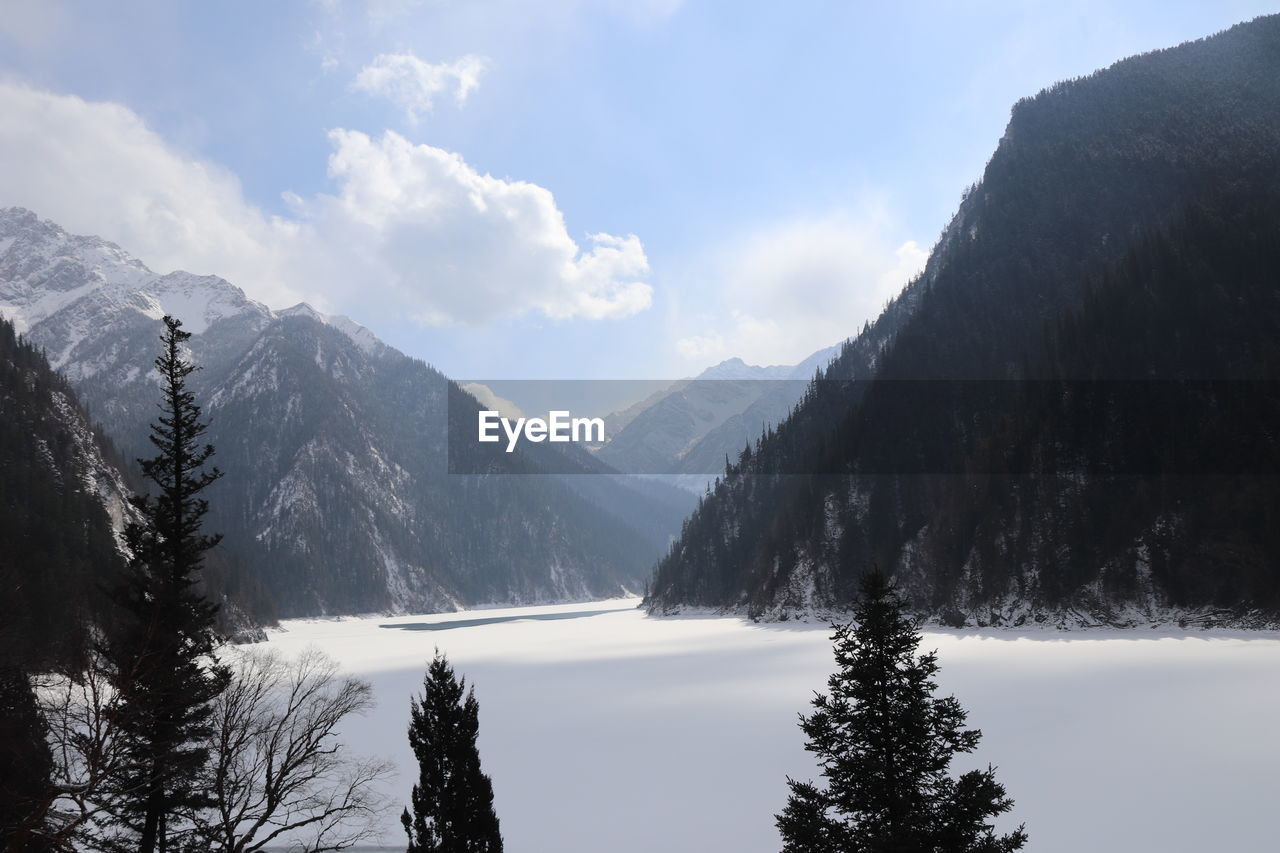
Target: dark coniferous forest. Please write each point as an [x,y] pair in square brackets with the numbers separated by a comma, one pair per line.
[1124,231]
[56,539]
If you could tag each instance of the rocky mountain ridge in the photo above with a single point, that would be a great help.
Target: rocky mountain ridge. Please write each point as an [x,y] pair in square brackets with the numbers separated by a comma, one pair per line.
[337,496]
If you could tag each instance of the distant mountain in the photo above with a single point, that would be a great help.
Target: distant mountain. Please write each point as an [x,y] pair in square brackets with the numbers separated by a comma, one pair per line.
[691,427]
[736,368]
[1068,418]
[337,497]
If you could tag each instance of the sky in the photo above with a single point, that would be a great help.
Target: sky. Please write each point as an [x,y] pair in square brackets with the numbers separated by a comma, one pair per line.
[562,189]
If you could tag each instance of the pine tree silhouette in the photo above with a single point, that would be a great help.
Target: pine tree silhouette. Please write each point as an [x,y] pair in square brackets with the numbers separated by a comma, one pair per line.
[160,649]
[885,744]
[453,800]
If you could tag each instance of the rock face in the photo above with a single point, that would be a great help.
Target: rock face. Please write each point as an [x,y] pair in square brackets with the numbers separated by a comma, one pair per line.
[1120,246]
[336,497]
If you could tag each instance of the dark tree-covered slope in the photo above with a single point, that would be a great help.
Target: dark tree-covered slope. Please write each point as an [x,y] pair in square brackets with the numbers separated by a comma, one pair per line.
[57,488]
[1123,230]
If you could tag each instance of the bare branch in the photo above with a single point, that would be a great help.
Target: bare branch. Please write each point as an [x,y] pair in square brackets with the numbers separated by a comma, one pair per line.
[278,771]
[79,709]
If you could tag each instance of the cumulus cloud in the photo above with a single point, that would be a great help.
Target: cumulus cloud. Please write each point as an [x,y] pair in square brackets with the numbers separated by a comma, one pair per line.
[96,168]
[411,229]
[462,246]
[793,288]
[414,85]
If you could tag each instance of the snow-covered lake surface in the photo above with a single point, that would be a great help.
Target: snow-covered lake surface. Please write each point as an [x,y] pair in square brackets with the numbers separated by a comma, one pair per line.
[609,731]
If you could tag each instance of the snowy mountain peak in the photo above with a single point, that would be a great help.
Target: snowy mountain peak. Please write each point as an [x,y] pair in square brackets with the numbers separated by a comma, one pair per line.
[302,309]
[199,300]
[359,335]
[72,287]
[47,273]
[40,239]
[43,269]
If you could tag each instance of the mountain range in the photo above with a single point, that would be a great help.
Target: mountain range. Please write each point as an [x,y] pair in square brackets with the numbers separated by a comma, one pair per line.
[1067,418]
[692,426]
[337,496]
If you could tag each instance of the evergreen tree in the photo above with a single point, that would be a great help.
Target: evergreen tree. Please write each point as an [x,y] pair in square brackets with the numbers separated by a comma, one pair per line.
[160,647]
[885,744]
[453,800]
[25,765]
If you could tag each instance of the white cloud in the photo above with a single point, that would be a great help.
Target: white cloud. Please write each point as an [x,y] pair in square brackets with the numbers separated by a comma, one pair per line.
[796,287]
[701,349]
[414,85]
[96,168]
[412,230]
[460,246]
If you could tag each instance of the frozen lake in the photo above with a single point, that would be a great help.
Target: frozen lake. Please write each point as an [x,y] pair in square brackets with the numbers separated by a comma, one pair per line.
[607,730]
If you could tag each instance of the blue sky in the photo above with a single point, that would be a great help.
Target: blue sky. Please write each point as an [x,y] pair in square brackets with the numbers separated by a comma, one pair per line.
[764,175]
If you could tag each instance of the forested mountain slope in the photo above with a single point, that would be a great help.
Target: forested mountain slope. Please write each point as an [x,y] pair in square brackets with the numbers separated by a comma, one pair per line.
[62,506]
[1124,229]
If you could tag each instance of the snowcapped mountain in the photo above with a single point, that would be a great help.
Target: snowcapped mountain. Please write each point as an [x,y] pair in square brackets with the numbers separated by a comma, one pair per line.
[336,496]
[366,340]
[67,292]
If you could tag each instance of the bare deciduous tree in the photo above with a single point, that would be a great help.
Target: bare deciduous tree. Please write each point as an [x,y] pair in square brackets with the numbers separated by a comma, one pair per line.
[79,710]
[278,771]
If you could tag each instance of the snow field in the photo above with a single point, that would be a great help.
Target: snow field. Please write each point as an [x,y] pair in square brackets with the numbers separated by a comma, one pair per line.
[615,731]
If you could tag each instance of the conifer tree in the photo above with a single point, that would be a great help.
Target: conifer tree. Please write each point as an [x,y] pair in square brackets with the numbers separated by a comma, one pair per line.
[161,646]
[453,799]
[25,765]
[885,744]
